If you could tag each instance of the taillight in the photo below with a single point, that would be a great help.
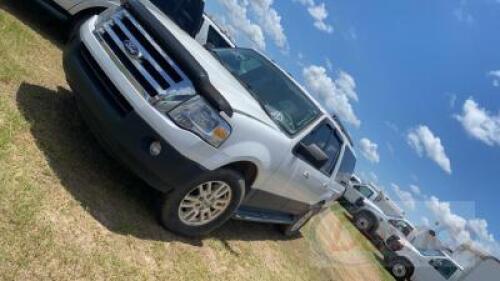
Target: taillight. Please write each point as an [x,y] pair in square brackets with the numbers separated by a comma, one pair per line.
[394,243]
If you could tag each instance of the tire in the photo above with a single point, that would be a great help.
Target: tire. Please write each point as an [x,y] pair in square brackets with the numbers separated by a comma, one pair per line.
[293,230]
[193,219]
[365,222]
[400,268]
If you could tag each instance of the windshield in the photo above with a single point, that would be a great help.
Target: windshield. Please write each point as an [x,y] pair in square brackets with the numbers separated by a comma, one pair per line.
[280,97]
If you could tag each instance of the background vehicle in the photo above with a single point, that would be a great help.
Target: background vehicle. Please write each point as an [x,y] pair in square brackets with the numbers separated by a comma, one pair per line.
[422,264]
[380,227]
[222,132]
[77,11]
[423,257]
[357,191]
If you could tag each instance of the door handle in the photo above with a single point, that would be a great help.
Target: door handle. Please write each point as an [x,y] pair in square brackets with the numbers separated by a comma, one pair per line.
[306,174]
[325,185]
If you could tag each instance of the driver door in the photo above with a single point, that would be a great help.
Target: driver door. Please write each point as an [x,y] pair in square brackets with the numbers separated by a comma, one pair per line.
[309,181]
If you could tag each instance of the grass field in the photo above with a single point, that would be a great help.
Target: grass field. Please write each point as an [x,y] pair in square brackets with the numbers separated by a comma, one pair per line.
[69,212]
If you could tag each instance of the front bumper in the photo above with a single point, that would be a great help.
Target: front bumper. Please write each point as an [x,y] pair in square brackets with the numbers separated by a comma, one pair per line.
[119,128]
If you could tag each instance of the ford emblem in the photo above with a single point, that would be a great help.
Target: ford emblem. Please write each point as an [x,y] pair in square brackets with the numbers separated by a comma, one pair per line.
[132,49]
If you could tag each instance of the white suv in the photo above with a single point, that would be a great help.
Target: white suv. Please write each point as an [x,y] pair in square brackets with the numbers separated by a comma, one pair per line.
[222,132]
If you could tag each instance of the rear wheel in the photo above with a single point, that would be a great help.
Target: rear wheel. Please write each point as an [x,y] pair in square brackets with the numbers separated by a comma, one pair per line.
[202,206]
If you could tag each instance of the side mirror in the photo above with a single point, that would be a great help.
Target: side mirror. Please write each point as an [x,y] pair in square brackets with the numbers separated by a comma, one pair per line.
[313,154]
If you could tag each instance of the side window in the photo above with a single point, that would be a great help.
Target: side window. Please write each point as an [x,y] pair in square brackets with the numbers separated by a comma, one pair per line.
[445,267]
[215,40]
[325,137]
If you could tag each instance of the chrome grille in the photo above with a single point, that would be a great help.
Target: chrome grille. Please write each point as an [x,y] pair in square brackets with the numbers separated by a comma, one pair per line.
[151,68]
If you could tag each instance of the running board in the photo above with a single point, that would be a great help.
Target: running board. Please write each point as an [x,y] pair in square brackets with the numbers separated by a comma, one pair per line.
[263,216]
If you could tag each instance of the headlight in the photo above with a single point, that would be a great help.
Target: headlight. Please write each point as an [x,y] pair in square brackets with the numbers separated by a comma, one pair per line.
[172,98]
[200,118]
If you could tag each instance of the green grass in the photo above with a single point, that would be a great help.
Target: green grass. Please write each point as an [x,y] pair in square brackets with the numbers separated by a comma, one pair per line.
[361,240]
[69,212]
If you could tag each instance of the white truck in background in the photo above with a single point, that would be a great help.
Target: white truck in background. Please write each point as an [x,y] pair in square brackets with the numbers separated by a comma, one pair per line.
[355,192]
[412,263]
[382,228]
[77,11]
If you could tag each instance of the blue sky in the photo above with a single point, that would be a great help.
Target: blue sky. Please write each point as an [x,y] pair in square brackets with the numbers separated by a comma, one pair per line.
[418,83]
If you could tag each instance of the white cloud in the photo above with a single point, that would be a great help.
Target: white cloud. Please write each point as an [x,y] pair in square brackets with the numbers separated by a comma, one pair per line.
[392,126]
[329,64]
[495,75]
[368,177]
[479,123]
[238,15]
[426,222]
[423,140]
[415,189]
[462,14]
[480,228]
[454,224]
[255,19]
[336,95]
[270,21]
[369,150]
[461,230]
[405,197]
[319,13]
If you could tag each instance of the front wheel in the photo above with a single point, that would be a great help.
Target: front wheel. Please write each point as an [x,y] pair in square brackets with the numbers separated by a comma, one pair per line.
[202,206]
[365,222]
[400,268]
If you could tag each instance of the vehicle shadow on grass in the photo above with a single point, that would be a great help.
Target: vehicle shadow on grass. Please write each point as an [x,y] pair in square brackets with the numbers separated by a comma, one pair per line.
[109,192]
[40,20]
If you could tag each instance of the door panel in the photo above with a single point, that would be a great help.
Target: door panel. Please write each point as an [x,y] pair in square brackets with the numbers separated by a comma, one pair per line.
[308,181]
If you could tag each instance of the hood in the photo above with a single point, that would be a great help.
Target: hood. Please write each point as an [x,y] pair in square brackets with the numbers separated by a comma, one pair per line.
[228,86]
[368,204]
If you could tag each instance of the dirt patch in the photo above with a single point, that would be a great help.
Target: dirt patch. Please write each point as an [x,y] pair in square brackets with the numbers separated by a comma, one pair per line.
[342,249]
